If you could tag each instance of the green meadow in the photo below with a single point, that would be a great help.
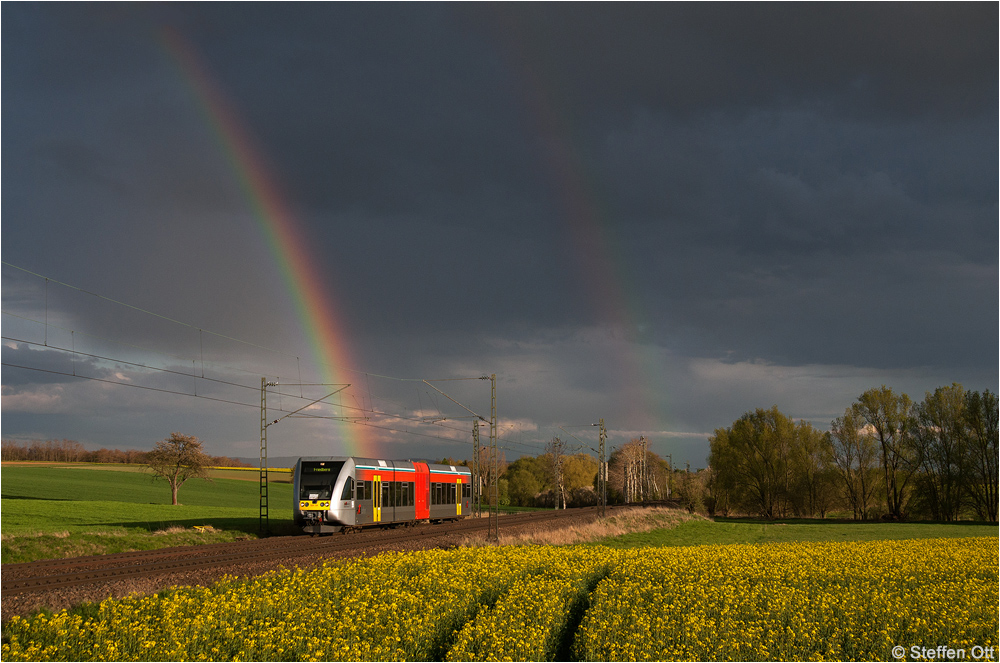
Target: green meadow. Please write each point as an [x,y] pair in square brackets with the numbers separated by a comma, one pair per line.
[65,510]
[723,531]
[51,511]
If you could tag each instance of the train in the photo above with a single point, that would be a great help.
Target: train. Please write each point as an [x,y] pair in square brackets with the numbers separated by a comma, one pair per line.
[347,493]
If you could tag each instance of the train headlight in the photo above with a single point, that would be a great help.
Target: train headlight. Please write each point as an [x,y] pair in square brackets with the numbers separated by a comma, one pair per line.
[325,504]
[303,505]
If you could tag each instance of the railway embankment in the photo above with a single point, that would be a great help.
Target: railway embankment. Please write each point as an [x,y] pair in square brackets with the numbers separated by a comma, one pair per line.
[63,583]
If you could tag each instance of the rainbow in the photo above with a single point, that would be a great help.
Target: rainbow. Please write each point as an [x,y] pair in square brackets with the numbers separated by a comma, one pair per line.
[314,303]
[603,270]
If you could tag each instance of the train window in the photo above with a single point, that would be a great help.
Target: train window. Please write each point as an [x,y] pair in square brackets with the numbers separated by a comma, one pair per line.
[361,490]
[386,493]
[316,479]
[368,490]
[466,490]
[348,489]
[315,492]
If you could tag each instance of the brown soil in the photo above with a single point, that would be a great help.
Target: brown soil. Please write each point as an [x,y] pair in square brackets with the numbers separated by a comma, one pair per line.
[58,599]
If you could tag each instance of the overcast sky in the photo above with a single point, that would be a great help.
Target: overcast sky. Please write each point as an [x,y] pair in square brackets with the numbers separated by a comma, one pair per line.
[664,215]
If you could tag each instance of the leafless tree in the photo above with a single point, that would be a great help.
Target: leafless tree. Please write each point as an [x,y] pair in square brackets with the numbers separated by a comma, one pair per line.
[555,450]
[177,459]
[856,458]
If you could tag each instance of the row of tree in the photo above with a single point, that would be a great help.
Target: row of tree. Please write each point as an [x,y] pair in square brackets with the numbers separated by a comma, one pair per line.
[560,479]
[71,451]
[887,456]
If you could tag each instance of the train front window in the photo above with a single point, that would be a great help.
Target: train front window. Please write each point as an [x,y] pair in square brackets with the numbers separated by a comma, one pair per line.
[348,489]
[317,479]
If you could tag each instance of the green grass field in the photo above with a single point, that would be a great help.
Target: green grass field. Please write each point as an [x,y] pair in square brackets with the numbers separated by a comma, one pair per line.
[738,530]
[58,511]
[84,509]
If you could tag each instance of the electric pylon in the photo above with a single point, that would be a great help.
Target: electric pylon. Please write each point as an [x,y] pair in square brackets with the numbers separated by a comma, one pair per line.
[494,465]
[477,487]
[602,469]
[264,525]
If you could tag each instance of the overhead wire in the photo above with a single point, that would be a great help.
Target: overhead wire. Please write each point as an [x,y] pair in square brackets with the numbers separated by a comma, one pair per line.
[297,415]
[125,344]
[142,310]
[126,384]
[213,333]
[201,360]
[280,408]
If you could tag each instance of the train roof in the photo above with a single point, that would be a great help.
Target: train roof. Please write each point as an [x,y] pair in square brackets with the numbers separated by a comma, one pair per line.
[375,463]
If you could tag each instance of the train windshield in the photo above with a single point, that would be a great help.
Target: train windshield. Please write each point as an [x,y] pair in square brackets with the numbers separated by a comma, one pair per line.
[317,478]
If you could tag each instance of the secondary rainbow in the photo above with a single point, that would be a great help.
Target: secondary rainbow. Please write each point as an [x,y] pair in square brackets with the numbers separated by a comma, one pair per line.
[602,269]
[314,302]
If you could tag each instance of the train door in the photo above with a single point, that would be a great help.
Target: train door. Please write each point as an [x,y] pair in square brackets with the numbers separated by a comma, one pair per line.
[387,501]
[377,498]
[422,492]
[458,497]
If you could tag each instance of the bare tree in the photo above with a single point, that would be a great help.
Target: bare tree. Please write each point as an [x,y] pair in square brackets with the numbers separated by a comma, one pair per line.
[177,459]
[484,477]
[856,459]
[983,431]
[810,483]
[555,449]
[624,469]
[892,421]
[940,436]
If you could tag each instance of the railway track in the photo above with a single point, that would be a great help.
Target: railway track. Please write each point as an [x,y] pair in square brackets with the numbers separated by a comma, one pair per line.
[45,575]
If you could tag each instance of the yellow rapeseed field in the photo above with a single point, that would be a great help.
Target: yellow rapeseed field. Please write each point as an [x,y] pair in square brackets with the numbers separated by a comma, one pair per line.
[802,601]
[795,601]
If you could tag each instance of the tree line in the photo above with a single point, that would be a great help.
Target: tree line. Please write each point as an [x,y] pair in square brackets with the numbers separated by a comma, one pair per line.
[560,479]
[887,457]
[71,451]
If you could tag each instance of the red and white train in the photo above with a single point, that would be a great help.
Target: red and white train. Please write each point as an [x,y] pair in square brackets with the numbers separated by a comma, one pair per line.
[344,493]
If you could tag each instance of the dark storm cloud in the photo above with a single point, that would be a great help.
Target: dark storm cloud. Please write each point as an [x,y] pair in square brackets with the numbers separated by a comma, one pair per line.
[395,112]
[871,58]
[814,234]
[53,366]
[779,188]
